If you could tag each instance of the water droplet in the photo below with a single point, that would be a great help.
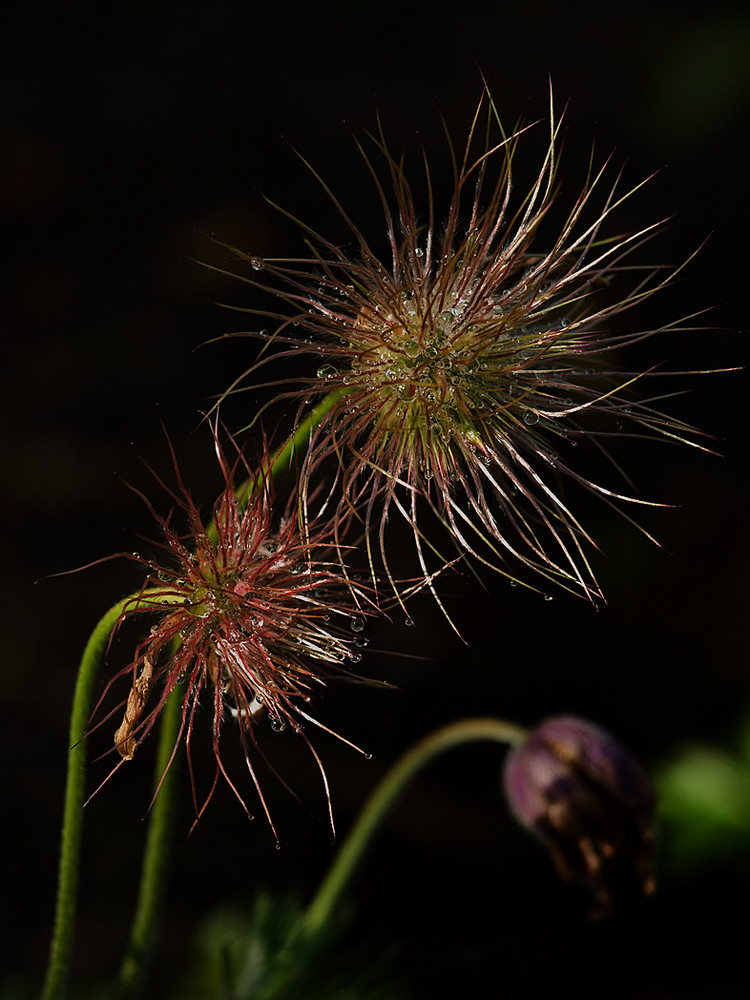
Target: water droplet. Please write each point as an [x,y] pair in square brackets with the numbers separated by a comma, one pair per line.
[409,622]
[257,263]
[530,418]
[548,597]
[357,623]
[326,371]
[354,655]
[278,725]
[419,252]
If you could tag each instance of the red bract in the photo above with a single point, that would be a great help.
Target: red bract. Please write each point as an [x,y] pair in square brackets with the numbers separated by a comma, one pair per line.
[466,368]
[252,613]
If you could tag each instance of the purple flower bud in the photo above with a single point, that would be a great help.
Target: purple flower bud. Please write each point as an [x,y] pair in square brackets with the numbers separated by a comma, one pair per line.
[592,804]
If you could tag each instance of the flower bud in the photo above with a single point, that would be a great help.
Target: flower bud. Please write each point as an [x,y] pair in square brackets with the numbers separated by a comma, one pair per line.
[592,804]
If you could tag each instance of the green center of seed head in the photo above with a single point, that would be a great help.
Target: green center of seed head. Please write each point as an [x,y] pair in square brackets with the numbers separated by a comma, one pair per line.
[407,355]
[435,375]
[213,592]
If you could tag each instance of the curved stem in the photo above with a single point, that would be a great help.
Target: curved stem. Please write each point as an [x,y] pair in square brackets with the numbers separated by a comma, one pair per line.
[62,938]
[155,860]
[383,797]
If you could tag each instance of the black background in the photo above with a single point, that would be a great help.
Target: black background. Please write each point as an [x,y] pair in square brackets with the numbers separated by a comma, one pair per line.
[128,131]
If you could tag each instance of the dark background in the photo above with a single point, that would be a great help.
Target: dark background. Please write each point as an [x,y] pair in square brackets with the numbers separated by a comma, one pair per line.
[128,131]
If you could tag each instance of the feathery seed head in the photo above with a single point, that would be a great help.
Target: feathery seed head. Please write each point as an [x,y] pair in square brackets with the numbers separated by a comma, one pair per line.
[252,614]
[465,370]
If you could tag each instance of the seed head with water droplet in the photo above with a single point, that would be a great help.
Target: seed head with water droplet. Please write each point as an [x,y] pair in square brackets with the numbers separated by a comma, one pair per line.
[462,373]
[253,613]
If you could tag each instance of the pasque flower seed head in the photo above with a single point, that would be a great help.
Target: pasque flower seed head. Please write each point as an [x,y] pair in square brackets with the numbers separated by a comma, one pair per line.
[250,613]
[462,372]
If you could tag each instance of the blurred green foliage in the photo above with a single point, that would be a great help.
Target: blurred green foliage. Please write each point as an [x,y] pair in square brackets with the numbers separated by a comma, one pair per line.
[704,806]
[262,955]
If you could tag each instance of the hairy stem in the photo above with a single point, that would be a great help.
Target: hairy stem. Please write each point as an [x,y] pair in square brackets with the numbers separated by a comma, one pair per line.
[383,797]
[156,856]
[62,939]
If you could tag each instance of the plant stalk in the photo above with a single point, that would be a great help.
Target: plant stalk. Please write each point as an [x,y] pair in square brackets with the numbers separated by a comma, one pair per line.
[156,855]
[62,937]
[382,798]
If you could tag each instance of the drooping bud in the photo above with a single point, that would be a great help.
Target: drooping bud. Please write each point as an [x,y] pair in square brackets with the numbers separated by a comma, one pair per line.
[589,800]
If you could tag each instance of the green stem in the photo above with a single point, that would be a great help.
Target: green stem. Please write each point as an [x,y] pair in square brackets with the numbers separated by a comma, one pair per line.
[284,456]
[62,939]
[383,797]
[155,860]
